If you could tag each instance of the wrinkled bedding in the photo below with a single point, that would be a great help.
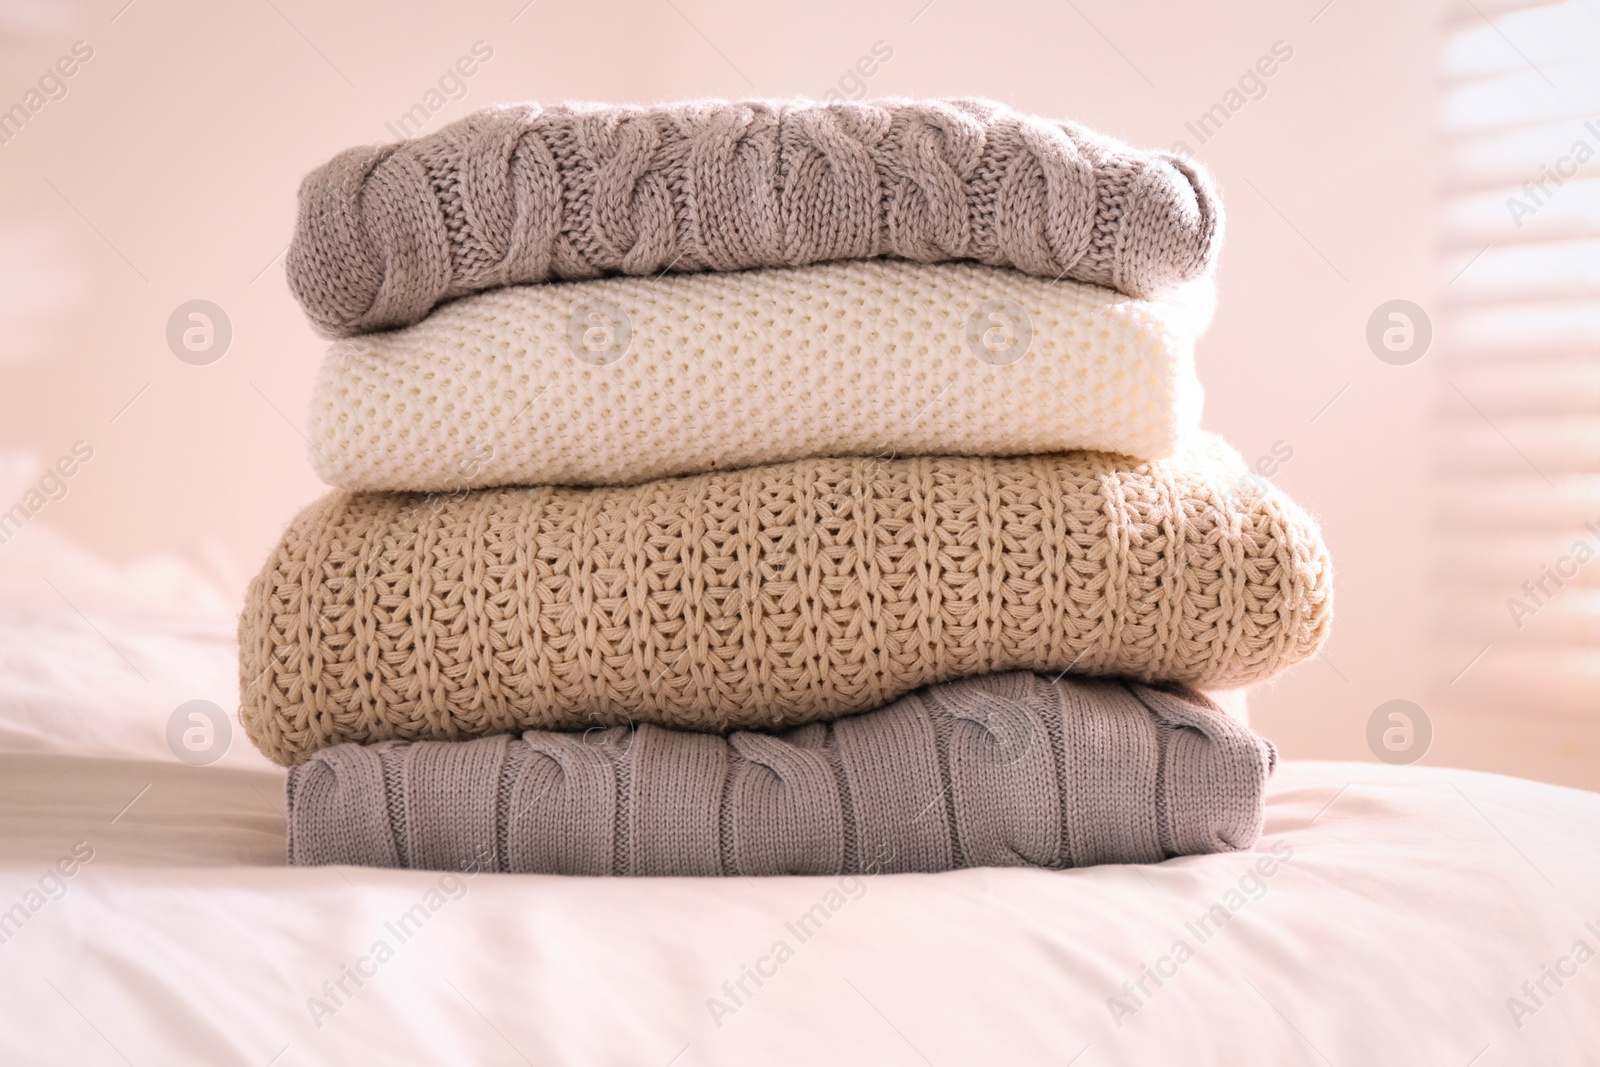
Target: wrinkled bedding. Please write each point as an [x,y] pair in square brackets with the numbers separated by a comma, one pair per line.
[1386,916]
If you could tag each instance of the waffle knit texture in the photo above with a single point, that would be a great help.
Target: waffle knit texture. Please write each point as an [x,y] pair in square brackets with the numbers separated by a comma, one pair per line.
[1005,771]
[690,373]
[525,193]
[769,597]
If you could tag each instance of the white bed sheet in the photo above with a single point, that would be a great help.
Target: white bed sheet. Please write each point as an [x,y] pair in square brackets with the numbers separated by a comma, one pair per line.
[1413,906]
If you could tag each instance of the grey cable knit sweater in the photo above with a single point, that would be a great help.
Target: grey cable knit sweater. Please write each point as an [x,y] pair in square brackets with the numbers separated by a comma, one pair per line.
[524,193]
[1002,770]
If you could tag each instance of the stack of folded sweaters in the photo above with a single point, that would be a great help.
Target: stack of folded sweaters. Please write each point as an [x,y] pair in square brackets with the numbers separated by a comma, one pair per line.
[764,488]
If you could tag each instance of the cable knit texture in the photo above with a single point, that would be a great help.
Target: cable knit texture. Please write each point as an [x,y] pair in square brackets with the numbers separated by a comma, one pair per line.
[617,381]
[769,597]
[1005,771]
[525,193]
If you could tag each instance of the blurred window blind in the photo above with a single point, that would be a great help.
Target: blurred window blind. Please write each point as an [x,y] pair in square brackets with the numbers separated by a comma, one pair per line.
[1519,359]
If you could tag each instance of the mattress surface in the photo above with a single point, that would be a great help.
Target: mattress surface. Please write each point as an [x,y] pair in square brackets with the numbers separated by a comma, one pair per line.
[1388,915]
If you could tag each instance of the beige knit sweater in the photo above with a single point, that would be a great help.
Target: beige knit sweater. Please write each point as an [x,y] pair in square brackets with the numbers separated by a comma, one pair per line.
[768,597]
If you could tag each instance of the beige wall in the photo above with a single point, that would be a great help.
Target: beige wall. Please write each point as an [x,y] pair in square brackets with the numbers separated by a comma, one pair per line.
[168,173]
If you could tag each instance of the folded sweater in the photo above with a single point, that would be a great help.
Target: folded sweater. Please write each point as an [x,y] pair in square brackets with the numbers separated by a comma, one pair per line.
[524,193]
[768,597]
[1004,771]
[620,380]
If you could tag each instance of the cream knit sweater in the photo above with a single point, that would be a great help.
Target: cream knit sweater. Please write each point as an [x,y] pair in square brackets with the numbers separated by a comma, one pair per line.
[616,381]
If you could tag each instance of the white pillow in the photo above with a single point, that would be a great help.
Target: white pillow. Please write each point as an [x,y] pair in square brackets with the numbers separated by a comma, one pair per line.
[97,659]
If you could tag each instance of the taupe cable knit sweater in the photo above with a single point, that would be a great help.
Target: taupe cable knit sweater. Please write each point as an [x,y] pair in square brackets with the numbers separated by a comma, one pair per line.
[769,597]
[1004,771]
[525,193]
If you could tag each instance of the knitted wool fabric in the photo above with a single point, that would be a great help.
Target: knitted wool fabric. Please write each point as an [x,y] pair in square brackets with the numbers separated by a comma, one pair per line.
[719,371]
[524,193]
[768,597]
[1005,771]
